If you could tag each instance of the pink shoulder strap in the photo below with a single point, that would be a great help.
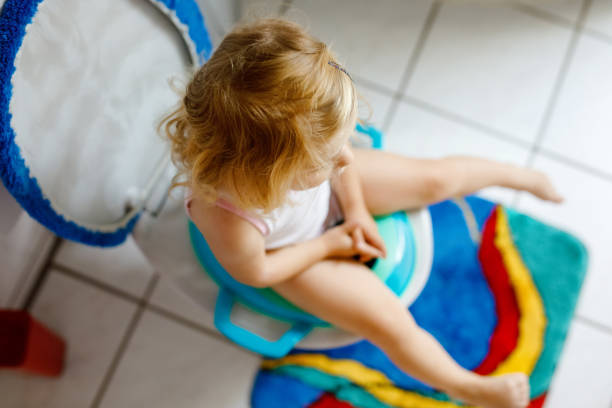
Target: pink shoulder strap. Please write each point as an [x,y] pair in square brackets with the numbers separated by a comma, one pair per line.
[259,224]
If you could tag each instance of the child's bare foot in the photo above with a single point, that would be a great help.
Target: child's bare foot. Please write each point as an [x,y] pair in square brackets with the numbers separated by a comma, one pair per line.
[539,185]
[505,391]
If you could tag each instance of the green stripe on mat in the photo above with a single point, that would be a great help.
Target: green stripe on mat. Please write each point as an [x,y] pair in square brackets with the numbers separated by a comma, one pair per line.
[558,263]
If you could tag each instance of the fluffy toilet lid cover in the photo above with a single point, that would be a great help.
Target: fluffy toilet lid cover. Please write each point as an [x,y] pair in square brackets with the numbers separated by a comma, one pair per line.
[83,86]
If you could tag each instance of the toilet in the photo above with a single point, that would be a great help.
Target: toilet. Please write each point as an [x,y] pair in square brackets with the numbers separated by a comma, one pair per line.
[83,88]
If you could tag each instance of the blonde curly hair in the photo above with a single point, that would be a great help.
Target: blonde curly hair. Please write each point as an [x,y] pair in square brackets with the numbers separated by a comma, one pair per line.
[258,114]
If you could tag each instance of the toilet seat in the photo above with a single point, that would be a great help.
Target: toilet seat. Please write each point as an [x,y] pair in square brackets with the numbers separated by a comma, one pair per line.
[86,116]
[77,141]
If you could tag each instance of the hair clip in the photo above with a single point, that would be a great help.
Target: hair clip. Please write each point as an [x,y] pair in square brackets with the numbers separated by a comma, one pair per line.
[334,64]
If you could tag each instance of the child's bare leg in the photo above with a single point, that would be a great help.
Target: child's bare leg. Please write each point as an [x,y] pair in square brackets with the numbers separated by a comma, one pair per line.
[347,294]
[392,182]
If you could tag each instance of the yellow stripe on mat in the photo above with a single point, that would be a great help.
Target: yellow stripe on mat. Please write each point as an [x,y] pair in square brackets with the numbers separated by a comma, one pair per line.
[532,321]
[373,381]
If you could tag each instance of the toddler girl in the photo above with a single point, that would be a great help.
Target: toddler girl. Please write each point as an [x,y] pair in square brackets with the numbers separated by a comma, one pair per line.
[262,138]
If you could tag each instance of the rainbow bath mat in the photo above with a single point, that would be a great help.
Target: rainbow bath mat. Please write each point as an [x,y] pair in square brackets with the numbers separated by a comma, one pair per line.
[500,298]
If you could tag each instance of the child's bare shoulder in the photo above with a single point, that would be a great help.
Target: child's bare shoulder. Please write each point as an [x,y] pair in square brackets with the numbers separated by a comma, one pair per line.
[236,243]
[217,223]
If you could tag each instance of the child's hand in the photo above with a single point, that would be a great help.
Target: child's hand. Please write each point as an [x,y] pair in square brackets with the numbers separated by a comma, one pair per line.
[341,242]
[368,234]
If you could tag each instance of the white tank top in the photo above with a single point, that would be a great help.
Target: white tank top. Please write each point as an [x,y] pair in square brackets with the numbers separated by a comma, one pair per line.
[315,210]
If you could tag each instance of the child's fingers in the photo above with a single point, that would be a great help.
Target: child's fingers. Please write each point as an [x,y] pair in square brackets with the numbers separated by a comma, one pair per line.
[358,240]
[372,240]
[362,246]
[377,242]
[366,250]
[370,253]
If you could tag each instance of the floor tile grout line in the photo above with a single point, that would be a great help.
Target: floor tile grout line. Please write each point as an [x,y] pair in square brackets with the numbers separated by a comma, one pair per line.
[64,270]
[94,282]
[161,311]
[568,59]
[593,324]
[43,273]
[543,15]
[475,125]
[432,14]
[592,33]
[373,85]
[561,21]
[119,353]
[568,161]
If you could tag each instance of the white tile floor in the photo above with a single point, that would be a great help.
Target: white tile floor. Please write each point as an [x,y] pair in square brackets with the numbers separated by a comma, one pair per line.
[526,84]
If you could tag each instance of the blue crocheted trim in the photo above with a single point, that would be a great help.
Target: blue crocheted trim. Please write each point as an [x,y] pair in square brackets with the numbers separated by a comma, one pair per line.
[14,17]
[188,13]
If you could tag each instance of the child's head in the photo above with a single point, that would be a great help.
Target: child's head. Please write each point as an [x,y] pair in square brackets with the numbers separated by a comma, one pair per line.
[267,113]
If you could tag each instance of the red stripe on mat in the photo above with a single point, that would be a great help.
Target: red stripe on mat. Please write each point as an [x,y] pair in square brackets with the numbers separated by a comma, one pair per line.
[505,336]
[329,401]
[538,402]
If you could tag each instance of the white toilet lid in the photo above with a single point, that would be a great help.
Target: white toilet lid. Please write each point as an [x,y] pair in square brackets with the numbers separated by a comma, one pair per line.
[83,87]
